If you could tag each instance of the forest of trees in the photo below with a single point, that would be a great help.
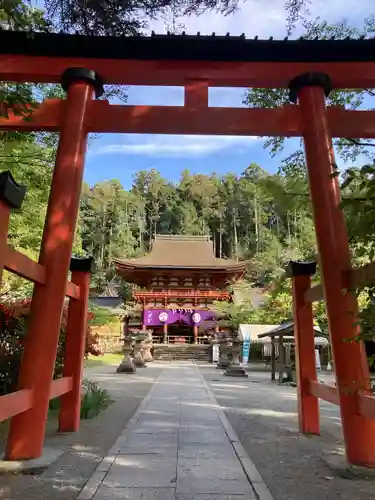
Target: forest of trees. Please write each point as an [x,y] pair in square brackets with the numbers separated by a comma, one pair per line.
[257,216]
[249,216]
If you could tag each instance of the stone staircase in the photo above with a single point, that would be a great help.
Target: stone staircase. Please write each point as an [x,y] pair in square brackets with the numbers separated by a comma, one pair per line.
[188,352]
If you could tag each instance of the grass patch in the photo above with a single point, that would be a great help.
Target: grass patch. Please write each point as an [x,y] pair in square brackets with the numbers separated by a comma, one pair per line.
[106,359]
[95,399]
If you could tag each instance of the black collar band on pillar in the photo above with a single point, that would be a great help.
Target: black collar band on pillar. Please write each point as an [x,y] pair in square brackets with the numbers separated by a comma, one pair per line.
[71,75]
[301,268]
[81,264]
[309,80]
[11,192]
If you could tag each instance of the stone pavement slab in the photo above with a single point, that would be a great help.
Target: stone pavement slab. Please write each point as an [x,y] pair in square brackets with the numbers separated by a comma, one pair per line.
[179,446]
[109,493]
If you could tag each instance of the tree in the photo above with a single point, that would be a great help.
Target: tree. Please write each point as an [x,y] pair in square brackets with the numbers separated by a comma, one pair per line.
[352,99]
[121,17]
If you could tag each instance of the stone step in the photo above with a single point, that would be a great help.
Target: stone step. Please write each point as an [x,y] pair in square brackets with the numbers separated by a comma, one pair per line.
[182,352]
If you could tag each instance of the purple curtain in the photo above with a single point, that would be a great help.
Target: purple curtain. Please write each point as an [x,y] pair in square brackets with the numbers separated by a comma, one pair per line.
[157,317]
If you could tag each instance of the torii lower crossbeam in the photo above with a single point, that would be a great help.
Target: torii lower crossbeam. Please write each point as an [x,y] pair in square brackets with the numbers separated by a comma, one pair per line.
[103,117]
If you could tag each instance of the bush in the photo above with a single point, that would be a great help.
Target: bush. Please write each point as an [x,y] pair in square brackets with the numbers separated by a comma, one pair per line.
[256,351]
[94,400]
[13,329]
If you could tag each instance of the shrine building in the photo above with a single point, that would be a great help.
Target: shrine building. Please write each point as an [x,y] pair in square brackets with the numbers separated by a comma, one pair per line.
[176,285]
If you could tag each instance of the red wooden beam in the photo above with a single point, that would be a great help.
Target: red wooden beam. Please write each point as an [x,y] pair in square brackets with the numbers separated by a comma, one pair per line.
[72,290]
[181,293]
[15,403]
[284,121]
[323,391]
[367,405]
[222,74]
[60,386]
[23,266]
[196,121]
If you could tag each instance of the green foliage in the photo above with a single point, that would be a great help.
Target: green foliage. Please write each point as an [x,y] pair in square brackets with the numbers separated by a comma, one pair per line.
[94,399]
[130,18]
[265,219]
[256,351]
[13,331]
[248,216]
[101,316]
[18,15]
[348,149]
[358,182]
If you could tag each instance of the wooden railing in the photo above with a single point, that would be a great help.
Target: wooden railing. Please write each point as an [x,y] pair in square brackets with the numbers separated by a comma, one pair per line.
[159,339]
[15,404]
[21,265]
[351,281]
[181,293]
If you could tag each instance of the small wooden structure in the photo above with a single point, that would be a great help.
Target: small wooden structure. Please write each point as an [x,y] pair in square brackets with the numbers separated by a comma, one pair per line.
[282,340]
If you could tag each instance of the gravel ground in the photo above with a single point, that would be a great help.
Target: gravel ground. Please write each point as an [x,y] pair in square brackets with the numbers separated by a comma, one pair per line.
[264,417]
[83,450]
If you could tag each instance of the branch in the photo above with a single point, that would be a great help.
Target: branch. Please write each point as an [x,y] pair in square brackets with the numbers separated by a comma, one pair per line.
[356,142]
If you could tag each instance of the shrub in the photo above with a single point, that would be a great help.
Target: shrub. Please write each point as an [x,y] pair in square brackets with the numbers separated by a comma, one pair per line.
[94,400]
[13,329]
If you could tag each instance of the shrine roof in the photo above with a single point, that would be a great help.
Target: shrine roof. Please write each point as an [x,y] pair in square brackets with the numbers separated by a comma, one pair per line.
[185,47]
[182,252]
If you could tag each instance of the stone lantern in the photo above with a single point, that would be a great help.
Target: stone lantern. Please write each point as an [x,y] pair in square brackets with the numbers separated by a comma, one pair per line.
[146,346]
[139,338]
[224,350]
[127,364]
[234,368]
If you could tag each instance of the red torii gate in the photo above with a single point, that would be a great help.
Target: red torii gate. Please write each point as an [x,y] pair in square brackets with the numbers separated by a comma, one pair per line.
[310,69]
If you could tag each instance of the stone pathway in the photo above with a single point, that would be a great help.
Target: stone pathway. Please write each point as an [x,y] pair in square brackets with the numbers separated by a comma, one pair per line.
[178,446]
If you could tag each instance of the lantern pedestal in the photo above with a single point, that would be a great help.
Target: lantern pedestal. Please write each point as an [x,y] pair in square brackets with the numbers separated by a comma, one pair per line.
[235,369]
[127,365]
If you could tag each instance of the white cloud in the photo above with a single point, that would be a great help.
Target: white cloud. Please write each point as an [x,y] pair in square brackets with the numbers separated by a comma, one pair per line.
[254,17]
[265,19]
[176,145]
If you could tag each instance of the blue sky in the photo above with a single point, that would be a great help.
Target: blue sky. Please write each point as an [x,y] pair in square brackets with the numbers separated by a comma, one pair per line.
[121,156]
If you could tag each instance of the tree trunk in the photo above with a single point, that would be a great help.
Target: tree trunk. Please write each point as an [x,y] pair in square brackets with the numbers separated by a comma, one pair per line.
[256,225]
[235,237]
[220,243]
[140,225]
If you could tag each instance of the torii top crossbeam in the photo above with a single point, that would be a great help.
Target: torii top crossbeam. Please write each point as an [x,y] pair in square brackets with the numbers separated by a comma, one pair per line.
[177,59]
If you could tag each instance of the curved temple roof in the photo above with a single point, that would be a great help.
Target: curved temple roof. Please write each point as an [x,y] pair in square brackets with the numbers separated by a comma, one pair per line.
[187,47]
[181,252]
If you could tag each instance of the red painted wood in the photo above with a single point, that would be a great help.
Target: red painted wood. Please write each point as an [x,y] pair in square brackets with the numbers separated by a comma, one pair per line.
[323,391]
[4,224]
[106,118]
[23,266]
[15,403]
[60,386]
[367,405]
[308,405]
[17,68]
[351,369]
[74,354]
[27,430]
